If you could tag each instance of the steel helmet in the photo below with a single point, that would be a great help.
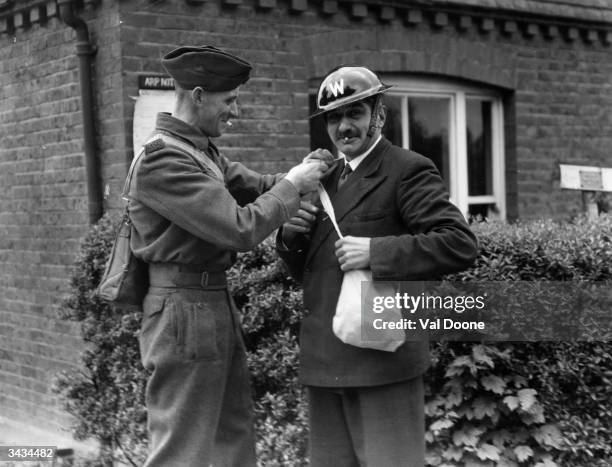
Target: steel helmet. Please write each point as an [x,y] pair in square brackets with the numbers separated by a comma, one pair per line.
[346,85]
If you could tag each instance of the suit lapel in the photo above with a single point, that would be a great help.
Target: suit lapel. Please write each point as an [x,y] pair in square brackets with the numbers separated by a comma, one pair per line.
[359,184]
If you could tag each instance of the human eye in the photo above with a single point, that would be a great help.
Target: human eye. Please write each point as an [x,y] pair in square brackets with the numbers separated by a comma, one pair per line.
[333,117]
[355,113]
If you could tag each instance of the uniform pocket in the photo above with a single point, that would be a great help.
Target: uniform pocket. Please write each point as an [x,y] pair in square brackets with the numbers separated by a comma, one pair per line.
[157,332]
[196,330]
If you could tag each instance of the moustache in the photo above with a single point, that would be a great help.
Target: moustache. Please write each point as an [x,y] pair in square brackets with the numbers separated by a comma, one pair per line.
[347,134]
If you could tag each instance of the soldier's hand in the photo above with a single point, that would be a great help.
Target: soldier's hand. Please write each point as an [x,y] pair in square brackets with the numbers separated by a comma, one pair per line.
[303,221]
[320,155]
[306,175]
[353,252]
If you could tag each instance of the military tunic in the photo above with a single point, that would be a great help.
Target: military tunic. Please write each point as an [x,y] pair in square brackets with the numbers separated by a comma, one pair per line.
[187,223]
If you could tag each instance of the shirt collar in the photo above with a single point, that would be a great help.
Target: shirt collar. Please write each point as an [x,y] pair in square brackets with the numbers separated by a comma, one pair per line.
[354,163]
[183,130]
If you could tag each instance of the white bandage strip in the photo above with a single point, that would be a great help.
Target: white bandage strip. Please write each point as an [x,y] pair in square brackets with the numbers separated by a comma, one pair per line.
[328,207]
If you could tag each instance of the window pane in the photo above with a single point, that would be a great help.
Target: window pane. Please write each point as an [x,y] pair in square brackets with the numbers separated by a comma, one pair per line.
[428,127]
[479,147]
[393,125]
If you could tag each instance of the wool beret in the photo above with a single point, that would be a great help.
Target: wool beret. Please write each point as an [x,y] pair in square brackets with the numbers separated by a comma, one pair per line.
[209,67]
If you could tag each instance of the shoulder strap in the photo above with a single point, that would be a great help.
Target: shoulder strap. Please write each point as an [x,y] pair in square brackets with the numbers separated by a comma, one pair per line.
[196,154]
[328,207]
[128,179]
[193,152]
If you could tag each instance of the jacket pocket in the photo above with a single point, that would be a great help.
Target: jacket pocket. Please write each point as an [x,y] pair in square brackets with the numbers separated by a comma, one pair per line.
[373,215]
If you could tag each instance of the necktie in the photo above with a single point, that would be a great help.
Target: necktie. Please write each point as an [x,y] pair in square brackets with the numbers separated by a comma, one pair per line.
[344,175]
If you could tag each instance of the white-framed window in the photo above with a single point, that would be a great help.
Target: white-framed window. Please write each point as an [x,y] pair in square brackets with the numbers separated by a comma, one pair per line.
[459,127]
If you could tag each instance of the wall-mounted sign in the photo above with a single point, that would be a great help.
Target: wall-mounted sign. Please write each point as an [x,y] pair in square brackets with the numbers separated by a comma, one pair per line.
[155,94]
[586,178]
[162,82]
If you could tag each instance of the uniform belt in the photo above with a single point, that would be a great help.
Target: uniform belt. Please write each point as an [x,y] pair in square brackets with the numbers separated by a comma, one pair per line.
[179,275]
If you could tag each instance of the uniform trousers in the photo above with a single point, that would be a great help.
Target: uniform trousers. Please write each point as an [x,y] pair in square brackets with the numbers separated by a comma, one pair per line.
[198,395]
[377,426]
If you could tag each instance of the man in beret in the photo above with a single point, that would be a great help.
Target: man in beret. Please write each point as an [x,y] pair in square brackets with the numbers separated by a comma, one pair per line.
[192,210]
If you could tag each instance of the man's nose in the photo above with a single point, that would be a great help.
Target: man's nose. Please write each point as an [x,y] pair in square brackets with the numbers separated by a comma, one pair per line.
[344,125]
[234,110]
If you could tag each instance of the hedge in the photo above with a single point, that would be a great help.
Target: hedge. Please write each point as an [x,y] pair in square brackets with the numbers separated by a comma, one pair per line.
[510,404]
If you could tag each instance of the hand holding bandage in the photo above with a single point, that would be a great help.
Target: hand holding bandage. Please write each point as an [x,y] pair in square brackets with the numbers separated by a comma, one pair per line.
[353,252]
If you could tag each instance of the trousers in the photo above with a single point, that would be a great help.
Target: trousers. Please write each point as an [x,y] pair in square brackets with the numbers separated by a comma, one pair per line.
[376,426]
[198,398]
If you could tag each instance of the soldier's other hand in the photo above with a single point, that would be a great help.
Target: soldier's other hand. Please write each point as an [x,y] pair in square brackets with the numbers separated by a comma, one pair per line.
[306,175]
[303,221]
[353,252]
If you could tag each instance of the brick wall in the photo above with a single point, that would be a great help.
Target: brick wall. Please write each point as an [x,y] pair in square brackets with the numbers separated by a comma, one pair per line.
[557,78]
[43,207]
[557,81]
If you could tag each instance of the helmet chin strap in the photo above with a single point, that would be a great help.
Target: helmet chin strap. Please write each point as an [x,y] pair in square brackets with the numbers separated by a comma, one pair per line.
[373,126]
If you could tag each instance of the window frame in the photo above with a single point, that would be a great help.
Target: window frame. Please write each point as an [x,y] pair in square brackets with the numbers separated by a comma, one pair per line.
[458,93]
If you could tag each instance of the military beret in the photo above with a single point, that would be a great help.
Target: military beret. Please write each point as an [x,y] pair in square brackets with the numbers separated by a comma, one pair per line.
[209,67]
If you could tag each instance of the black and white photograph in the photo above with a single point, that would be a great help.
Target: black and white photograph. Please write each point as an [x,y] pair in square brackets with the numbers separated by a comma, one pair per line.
[292,233]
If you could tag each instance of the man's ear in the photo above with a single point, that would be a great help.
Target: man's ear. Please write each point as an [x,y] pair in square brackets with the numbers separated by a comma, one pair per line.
[381,118]
[198,95]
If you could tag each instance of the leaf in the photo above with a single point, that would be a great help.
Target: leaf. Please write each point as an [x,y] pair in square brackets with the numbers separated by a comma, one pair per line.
[500,437]
[512,402]
[527,397]
[534,415]
[523,453]
[453,400]
[483,407]
[466,412]
[467,436]
[442,424]
[453,453]
[494,384]
[480,355]
[462,361]
[459,365]
[488,451]
[548,435]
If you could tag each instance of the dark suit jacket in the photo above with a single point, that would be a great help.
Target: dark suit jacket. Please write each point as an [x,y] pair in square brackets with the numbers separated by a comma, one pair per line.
[397,198]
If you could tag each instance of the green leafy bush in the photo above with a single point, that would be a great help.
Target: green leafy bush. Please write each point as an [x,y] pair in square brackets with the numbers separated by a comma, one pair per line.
[521,404]
[106,396]
[569,380]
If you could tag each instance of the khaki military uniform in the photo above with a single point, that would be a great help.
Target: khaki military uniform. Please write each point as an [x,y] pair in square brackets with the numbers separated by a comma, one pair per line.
[188,225]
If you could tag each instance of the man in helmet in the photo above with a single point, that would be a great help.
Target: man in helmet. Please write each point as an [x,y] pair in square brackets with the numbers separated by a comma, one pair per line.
[366,406]
[191,211]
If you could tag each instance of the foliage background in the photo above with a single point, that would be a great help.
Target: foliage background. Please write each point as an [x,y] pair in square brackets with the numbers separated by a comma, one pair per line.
[519,404]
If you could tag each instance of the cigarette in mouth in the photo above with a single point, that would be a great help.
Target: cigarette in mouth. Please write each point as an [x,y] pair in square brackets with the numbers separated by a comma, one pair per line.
[229,123]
